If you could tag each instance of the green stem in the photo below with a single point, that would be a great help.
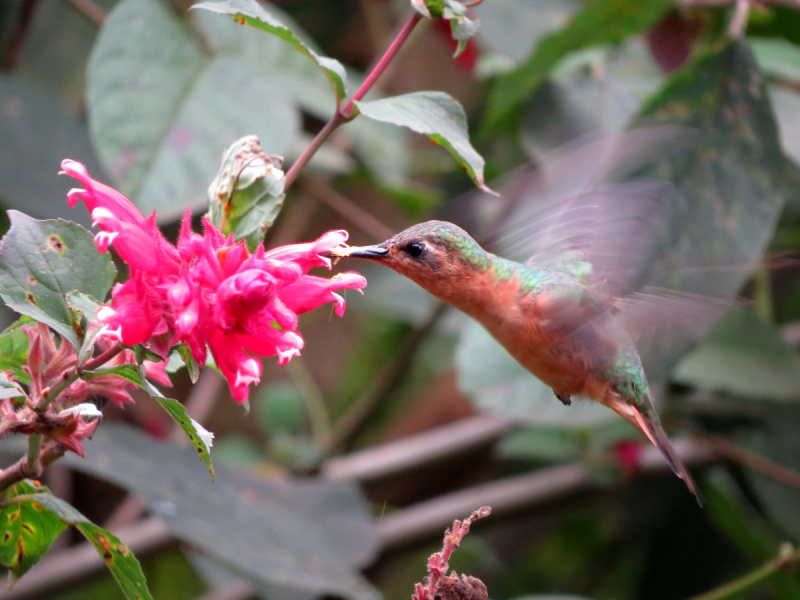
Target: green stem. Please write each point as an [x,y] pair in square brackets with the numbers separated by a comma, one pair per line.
[34,445]
[318,415]
[786,558]
[346,114]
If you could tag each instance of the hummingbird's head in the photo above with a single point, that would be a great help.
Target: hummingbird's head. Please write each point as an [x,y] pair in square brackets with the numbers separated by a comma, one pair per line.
[427,253]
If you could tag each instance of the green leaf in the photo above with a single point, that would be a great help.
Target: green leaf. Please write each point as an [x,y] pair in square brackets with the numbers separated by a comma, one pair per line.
[247,194]
[88,307]
[594,89]
[777,440]
[37,132]
[117,556]
[191,364]
[127,372]
[41,262]
[777,57]
[28,531]
[513,27]
[786,104]
[498,384]
[310,536]
[599,22]
[13,353]
[9,389]
[437,115]
[256,16]
[743,356]
[198,436]
[160,108]
[729,188]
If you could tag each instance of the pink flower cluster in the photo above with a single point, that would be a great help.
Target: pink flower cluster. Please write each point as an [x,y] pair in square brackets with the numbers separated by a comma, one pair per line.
[208,292]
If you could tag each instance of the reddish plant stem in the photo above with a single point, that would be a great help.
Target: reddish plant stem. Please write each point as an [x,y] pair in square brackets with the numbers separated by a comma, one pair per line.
[19,470]
[343,115]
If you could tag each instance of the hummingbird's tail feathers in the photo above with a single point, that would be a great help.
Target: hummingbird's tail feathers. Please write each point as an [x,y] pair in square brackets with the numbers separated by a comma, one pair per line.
[651,428]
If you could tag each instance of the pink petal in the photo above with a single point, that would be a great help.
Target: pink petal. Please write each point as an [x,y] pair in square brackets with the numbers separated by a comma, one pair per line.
[309,292]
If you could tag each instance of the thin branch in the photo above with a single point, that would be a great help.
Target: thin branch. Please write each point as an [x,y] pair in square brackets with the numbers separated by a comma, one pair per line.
[386,379]
[514,493]
[346,114]
[786,559]
[318,415]
[731,451]
[92,11]
[739,20]
[19,470]
[342,205]
[416,451]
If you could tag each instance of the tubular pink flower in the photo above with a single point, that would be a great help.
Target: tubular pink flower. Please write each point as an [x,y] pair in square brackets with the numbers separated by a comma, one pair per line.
[207,291]
[134,244]
[97,194]
[309,255]
[308,292]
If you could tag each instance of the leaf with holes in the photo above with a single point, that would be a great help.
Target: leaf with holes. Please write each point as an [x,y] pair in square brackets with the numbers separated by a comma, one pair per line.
[198,436]
[252,13]
[28,531]
[599,22]
[41,262]
[437,115]
[117,556]
[247,194]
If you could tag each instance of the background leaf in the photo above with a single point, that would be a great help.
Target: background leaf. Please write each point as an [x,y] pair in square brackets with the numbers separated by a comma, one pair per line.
[159,121]
[306,536]
[255,15]
[599,22]
[436,115]
[744,356]
[41,262]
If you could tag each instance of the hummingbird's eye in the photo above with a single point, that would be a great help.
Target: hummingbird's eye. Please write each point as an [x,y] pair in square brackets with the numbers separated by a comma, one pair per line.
[415,250]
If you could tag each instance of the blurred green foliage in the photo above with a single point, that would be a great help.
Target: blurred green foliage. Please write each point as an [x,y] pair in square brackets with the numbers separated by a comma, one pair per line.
[150,100]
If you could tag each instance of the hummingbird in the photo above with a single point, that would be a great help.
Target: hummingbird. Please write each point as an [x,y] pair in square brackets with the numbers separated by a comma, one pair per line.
[569,314]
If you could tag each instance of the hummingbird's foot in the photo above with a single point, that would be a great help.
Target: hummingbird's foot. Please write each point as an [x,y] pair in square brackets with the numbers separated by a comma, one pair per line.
[566,400]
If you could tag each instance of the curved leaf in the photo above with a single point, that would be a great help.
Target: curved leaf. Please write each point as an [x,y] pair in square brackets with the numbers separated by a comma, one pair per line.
[117,556]
[309,536]
[437,115]
[252,13]
[28,530]
[41,262]
[160,110]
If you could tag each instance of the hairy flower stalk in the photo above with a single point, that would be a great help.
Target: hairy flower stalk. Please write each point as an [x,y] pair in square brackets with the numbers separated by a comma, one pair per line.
[207,292]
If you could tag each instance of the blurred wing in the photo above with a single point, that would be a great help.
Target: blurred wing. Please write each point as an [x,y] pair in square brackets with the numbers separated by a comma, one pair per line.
[569,208]
[663,323]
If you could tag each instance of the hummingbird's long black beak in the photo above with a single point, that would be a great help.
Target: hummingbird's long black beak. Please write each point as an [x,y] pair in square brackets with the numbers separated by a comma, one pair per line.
[375,252]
